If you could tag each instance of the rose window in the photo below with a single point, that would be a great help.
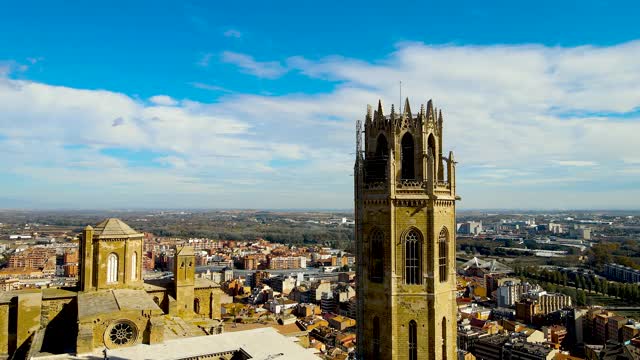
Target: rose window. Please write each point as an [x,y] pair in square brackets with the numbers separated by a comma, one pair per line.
[122,333]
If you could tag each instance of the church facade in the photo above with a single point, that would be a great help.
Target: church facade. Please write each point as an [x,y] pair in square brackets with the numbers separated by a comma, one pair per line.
[405,198]
[113,306]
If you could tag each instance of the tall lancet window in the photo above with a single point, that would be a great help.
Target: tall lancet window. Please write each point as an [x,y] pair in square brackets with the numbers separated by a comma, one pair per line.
[431,149]
[134,266]
[412,257]
[112,268]
[413,340]
[382,148]
[376,259]
[407,155]
[444,338]
[376,338]
[443,250]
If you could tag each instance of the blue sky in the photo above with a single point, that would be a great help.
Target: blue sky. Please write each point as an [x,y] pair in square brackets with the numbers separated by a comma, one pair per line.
[252,104]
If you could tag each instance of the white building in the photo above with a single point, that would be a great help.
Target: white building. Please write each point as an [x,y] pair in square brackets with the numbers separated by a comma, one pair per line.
[470,227]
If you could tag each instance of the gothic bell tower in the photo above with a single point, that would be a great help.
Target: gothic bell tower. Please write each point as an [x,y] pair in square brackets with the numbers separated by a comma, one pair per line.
[405,198]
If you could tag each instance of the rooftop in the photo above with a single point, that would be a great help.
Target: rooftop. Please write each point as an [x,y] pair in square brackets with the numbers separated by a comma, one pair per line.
[114,228]
[107,301]
[262,343]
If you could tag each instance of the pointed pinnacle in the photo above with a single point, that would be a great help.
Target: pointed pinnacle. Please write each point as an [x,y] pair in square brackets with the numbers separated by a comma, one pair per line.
[407,108]
[440,116]
[429,108]
[380,113]
[368,118]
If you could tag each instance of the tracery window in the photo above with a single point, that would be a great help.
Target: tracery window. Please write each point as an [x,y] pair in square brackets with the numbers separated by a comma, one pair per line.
[443,250]
[413,340]
[196,305]
[376,256]
[121,333]
[112,268]
[413,257]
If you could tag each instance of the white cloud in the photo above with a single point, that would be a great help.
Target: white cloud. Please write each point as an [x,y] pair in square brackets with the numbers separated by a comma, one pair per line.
[543,120]
[204,60]
[232,33]
[210,87]
[577,163]
[163,100]
[267,69]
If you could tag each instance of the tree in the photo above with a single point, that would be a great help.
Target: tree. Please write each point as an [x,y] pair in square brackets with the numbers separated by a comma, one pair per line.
[597,285]
[581,298]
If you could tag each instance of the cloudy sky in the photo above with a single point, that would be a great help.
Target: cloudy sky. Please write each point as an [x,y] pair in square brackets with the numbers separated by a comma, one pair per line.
[253,104]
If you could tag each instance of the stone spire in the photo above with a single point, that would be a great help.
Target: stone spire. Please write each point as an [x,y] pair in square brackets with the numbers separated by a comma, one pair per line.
[379,113]
[407,109]
[430,114]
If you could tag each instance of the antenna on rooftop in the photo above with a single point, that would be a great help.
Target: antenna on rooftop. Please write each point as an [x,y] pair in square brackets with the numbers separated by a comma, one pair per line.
[400,102]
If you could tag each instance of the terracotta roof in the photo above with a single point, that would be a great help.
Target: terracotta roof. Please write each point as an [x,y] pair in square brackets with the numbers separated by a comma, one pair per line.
[114,228]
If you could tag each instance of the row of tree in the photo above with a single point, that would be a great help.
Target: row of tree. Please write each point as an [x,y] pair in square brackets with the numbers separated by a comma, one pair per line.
[585,282]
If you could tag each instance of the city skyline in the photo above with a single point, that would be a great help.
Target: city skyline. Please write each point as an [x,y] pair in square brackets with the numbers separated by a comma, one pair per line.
[189,106]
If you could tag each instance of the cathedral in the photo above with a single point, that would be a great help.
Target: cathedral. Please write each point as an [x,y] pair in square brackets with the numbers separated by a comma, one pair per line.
[112,307]
[405,196]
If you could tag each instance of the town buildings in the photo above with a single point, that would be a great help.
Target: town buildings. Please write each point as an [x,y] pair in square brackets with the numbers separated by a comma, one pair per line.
[112,307]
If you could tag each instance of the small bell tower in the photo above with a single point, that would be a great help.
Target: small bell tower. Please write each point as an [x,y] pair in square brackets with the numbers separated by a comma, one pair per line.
[184,272]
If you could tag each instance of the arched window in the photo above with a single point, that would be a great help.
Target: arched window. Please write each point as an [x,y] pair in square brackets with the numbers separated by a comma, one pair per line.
[431,145]
[413,340]
[134,266]
[443,250]
[376,339]
[444,338]
[412,257]
[407,155]
[431,149]
[376,259]
[196,305]
[112,268]
[382,147]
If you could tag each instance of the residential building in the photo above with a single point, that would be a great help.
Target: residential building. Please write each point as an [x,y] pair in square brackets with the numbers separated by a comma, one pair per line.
[527,351]
[621,273]
[470,228]
[614,327]
[489,347]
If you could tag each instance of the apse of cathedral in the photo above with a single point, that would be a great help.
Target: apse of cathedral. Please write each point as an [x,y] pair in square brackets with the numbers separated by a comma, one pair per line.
[113,306]
[405,196]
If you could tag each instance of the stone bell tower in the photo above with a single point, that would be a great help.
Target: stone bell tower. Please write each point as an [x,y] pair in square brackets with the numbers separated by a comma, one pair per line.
[184,272]
[110,257]
[405,198]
